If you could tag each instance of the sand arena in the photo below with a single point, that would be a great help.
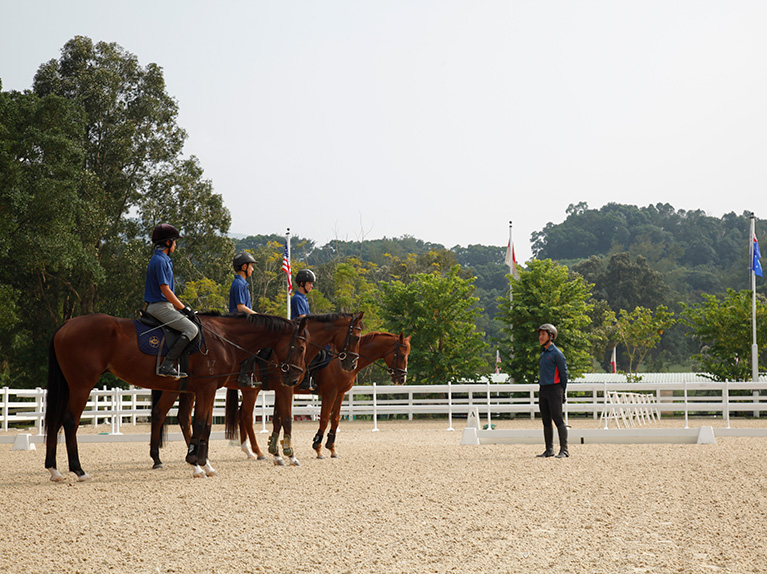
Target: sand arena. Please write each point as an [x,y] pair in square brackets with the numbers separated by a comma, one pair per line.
[406,499]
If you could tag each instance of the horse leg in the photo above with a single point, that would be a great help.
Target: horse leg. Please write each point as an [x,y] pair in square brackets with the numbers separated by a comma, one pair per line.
[286,415]
[162,401]
[247,433]
[334,420]
[185,404]
[277,423]
[77,403]
[197,451]
[328,399]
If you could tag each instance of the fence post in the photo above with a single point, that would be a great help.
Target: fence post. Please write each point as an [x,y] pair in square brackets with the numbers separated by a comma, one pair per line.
[450,406]
[755,395]
[727,400]
[489,408]
[6,392]
[686,424]
[375,408]
[263,412]
[116,408]
[605,414]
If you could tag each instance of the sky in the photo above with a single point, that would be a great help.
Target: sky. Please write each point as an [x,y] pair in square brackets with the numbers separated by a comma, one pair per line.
[443,120]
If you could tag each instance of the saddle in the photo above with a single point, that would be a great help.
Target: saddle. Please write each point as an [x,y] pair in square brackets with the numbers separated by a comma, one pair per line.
[154,338]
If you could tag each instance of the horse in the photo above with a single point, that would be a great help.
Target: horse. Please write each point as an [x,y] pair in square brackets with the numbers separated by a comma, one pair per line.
[332,385]
[85,347]
[339,329]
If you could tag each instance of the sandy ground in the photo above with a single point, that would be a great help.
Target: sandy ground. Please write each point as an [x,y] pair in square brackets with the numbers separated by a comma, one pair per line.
[409,498]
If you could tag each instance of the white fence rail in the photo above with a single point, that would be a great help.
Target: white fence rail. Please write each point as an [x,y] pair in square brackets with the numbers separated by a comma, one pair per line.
[115,407]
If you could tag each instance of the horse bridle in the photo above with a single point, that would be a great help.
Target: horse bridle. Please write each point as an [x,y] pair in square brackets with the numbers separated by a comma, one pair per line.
[349,333]
[396,369]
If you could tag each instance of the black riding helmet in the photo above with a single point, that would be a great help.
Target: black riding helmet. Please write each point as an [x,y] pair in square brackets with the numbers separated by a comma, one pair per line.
[241,259]
[163,233]
[305,275]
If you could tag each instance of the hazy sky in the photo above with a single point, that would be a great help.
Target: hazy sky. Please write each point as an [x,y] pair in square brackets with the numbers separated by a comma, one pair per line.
[442,119]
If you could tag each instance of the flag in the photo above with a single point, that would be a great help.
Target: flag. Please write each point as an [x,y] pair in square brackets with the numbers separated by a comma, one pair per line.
[613,362]
[286,268]
[756,266]
[497,361]
[511,260]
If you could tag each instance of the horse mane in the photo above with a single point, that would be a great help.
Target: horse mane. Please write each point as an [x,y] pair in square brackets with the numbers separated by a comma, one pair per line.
[329,317]
[269,322]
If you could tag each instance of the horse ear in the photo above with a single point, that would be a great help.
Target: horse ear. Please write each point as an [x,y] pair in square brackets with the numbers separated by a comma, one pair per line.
[401,337]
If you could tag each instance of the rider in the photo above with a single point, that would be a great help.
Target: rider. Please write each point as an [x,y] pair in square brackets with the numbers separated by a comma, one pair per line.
[162,301]
[299,307]
[299,304]
[552,391]
[239,301]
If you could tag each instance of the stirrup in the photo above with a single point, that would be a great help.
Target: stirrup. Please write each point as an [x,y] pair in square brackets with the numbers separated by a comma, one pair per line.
[169,370]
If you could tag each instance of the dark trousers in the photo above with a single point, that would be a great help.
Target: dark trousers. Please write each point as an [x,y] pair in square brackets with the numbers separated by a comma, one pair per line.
[550,398]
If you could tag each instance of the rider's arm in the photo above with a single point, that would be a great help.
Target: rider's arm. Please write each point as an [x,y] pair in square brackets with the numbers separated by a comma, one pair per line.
[171,296]
[245,309]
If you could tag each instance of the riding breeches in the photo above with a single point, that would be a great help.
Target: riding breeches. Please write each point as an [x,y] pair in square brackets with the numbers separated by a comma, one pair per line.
[168,314]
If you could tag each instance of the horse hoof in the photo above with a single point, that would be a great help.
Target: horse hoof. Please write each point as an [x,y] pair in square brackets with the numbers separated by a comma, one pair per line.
[84,477]
[294,462]
[261,457]
[334,455]
[158,466]
[321,457]
[56,476]
[279,462]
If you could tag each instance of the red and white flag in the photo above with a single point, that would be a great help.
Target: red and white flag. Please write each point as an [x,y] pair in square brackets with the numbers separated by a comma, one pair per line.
[286,268]
[613,366]
[511,260]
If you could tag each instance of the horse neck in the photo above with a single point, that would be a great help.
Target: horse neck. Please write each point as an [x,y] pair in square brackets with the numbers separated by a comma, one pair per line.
[244,334]
[322,333]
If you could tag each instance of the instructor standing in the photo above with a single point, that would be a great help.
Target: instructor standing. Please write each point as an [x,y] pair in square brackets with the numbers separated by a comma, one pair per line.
[551,396]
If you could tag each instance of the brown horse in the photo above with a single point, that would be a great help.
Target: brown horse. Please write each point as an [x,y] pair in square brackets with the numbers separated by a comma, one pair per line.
[338,329]
[333,384]
[86,347]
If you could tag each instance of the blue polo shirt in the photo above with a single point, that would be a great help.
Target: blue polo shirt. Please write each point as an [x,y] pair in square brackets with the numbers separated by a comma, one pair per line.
[552,367]
[159,272]
[299,305]
[239,294]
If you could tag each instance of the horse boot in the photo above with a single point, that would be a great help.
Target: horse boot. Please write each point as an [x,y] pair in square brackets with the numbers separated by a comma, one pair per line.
[245,378]
[563,452]
[168,367]
[548,437]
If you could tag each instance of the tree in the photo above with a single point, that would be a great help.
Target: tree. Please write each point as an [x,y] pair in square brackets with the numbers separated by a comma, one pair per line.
[724,331]
[545,293]
[439,312]
[640,331]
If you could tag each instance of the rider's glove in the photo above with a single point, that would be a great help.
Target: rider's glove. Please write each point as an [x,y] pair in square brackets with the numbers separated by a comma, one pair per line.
[187,310]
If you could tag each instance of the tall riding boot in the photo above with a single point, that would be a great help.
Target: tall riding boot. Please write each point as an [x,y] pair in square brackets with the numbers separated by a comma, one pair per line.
[245,379]
[168,367]
[563,452]
[548,437]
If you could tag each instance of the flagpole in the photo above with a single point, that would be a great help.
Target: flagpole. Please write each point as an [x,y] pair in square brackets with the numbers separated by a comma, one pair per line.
[511,263]
[754,347]
[287,283]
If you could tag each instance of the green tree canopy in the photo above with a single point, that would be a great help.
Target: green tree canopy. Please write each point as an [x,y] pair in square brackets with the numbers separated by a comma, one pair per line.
[545,293]
[723,328]
[439,312]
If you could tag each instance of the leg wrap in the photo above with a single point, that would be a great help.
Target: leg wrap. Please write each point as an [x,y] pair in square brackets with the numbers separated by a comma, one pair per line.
[287,450]
[273,444]
[317,441]
[331,440]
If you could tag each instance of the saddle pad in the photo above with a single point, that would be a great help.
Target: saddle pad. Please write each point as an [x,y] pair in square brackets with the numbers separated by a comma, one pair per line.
[150,338]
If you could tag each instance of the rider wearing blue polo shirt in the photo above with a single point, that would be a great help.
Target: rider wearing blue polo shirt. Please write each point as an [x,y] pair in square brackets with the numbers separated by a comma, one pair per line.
[162,302]
[239,302]
[299,304]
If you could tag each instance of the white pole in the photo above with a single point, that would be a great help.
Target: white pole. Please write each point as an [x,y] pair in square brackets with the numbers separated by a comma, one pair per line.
[450,406]
[489,421]
[375,410]
[287,289]
[754,348]
[263,411]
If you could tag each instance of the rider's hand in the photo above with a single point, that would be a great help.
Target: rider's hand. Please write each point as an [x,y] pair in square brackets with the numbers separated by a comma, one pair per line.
[187,310]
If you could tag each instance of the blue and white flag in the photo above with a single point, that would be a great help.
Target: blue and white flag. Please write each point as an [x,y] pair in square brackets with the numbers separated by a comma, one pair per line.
[756,266]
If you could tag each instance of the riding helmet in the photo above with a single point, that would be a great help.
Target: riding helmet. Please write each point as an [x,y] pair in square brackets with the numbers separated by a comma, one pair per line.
[163,232]
[305,275]
[241,259]
[550,329]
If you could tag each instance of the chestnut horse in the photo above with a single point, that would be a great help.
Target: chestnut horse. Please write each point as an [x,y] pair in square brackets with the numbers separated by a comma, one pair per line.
[85,347]
[338,329]
[333,384]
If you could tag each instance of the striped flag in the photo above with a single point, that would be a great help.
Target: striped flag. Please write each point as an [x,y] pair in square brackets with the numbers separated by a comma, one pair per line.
[756,265]
[286,268]
[511,260]
[614,362]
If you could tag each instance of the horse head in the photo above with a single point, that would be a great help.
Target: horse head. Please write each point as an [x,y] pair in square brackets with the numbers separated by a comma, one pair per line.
[294,363]
[349,350]
[396,359]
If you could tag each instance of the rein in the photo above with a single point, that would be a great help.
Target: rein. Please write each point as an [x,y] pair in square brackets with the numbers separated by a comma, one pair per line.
[344,353]
[395,370]
[285,366]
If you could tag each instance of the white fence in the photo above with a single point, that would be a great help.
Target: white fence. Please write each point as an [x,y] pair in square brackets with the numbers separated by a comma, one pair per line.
[116,407]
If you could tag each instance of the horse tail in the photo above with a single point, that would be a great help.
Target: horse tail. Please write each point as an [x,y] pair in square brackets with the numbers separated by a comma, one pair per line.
[164,430]
[231,418]
[57,397]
